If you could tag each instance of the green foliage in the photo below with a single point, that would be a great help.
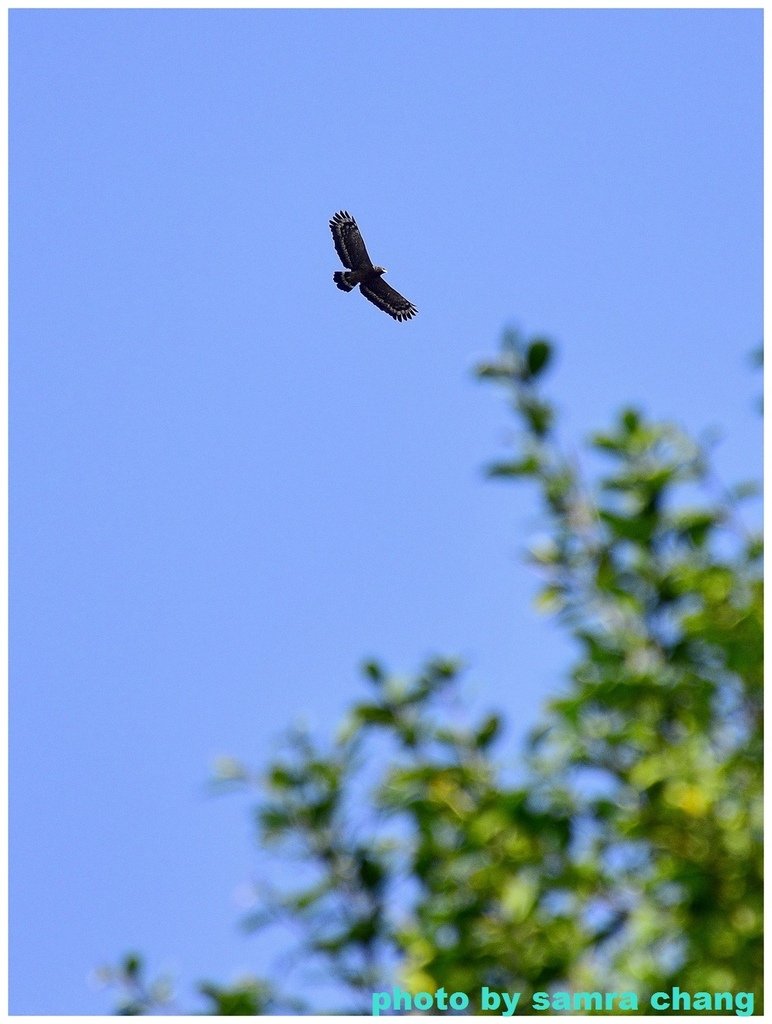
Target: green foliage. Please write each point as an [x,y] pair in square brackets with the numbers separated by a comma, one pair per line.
[627,856]
[138,995]
[248,998]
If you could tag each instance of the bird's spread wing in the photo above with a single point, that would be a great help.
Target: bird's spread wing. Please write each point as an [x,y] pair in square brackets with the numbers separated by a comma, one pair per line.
[349,243]
[387,299]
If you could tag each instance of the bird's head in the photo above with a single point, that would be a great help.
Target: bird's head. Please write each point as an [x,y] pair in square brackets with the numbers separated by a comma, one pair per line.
[379,270]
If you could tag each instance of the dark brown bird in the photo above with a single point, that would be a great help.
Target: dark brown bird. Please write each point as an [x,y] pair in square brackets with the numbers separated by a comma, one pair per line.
[361,271]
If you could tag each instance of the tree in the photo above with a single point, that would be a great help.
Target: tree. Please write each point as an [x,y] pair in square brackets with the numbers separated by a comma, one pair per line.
[626,856]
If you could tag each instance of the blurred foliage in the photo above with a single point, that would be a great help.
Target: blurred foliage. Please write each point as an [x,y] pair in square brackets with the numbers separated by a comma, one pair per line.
[139,996]
[625,854]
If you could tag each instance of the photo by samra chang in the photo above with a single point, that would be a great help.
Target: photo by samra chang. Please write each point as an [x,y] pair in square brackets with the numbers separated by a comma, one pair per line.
[505,1003]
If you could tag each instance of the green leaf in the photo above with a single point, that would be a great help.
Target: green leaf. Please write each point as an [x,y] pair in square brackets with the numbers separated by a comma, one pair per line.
[528,466]
[488,732]
[373,671]
[631,420]
[132,965]
[538,356]
[539,416]
[374,714]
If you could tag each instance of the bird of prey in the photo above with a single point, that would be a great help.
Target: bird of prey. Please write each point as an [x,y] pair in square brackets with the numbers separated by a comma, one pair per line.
[361,271]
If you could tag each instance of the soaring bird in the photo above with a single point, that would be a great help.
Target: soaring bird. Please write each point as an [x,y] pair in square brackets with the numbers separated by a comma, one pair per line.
[361,270]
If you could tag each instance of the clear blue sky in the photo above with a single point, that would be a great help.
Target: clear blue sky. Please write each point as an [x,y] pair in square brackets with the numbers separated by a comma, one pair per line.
[231,482]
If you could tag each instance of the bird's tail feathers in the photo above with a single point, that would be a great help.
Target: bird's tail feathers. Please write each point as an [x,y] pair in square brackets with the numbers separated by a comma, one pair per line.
[345,280]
